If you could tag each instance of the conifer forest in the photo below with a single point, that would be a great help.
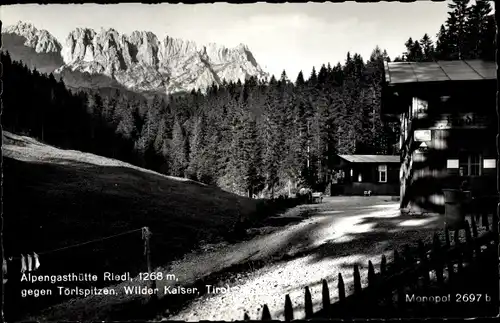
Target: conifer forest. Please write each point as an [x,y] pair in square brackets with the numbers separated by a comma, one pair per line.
[257,138]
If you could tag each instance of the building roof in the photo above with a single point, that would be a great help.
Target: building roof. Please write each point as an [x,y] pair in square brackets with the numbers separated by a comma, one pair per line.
[459,70]
[371,158]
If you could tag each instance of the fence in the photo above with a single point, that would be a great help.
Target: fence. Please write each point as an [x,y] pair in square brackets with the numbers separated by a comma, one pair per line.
[94,257]
[464,277]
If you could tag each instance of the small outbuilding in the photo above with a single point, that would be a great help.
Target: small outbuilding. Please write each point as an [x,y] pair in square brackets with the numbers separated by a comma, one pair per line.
[362,174]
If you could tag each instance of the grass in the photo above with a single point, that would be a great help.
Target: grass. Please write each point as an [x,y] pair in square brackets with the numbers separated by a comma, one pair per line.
[55,198]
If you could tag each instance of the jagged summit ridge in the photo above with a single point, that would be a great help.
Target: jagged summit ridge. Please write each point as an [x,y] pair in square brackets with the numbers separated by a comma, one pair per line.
[143,62]
[41,40]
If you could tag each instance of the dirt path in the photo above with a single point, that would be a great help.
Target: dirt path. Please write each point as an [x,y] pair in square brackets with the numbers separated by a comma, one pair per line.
[330,239]
[340,233]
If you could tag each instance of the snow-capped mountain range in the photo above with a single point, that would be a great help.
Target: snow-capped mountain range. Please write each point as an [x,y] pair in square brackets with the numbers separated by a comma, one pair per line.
[140,61]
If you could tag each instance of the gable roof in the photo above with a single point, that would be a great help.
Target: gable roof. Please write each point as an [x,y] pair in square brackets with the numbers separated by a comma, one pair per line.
[459,70]
[371,158]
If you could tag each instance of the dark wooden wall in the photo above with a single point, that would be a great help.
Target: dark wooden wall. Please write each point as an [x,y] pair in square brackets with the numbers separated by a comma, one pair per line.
[370,179]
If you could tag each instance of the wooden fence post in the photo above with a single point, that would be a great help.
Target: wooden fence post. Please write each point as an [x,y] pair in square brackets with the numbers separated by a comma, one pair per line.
[397,260]
[372,277]
[400,287]
[325,293]
[456,237]
[484,220]
[408,261]
[401,302]
[474,227]
[451,271]
[374,292]
[468,242]
[423,258]
[146,234]
[383,265]
[343,308]
[438,259]
[495,225]
[308,303]
[447,237]
[357,280]
[341,288]
[476,216]
[407,256]
[266,315]
[288,308]
[387,293]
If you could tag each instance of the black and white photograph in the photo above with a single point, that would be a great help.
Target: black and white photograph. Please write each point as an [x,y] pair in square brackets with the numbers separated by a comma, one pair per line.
[260,161]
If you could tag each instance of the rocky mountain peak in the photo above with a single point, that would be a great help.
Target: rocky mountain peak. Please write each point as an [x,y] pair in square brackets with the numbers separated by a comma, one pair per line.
[41,40]
[141,61]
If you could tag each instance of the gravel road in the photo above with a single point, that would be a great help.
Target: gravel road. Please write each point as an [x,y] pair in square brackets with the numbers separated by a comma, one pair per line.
[319,241]
[340,232]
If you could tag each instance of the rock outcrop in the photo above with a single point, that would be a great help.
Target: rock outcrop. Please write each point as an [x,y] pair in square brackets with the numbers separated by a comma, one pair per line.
[142,62]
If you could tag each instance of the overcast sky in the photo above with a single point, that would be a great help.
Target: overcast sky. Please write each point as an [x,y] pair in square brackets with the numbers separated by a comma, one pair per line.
[293,37]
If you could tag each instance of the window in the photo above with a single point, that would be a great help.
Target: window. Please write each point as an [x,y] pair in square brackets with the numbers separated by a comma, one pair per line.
[470,164]
[382,173]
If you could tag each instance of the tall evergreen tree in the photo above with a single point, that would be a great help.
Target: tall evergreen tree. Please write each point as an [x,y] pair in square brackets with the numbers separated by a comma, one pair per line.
[456,26]
[477,28]
[427,48]
[300,80]
[443,44]
[251,157]
[179,150]
[198,140]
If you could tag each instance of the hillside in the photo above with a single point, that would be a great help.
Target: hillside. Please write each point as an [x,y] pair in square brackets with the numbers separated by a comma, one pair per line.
[56,198]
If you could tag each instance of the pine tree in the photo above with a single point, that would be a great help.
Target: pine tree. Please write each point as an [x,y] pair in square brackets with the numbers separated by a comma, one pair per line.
[386,56]
[251,157]
[417,52]
[427,49]
[129,123]
[477,28]
[313,79]
[443,44]
[487,46]
[376,54]
[150,131]
[300,80]
[456,26]
[179,150]
[322,75]
[338,75]
[196,154]
[272,136]
[409,47]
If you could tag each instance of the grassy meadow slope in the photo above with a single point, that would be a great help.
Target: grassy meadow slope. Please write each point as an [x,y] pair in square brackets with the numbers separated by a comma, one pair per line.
[55,198]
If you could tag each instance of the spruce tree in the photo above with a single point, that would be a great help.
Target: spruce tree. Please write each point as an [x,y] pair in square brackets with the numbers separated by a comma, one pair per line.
[196,154]
[443,44]
[456,26]
[427,48]
[477,28]
[179,150]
